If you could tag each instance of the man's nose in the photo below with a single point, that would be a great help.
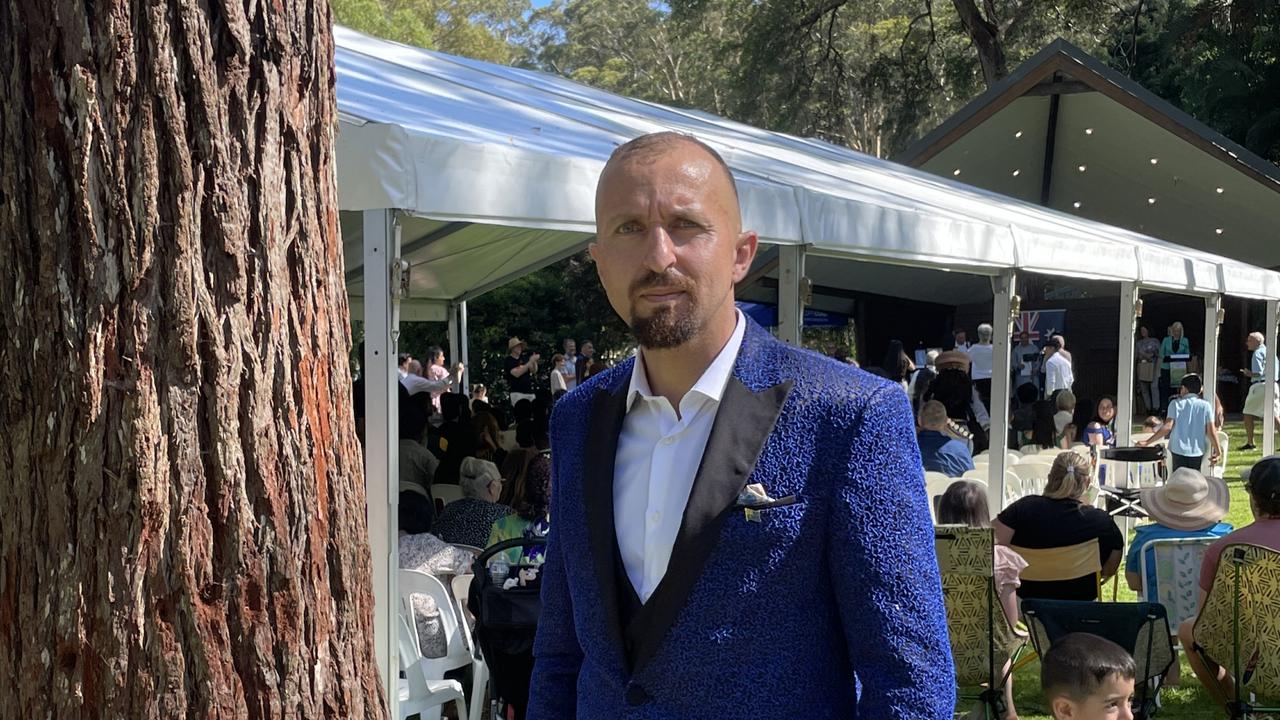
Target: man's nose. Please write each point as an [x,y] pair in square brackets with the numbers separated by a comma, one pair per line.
[660,250]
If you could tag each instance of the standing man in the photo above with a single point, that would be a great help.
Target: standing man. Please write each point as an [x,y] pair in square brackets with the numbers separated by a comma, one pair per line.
[1257,397]
[739,527]
[1026,362]
[583,367]
[981,359]
[570,371]
[1057,369]
[519,372]
[961,340]
[1189,425]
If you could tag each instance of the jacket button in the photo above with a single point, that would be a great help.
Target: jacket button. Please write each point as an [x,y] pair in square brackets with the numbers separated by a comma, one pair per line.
[636,695]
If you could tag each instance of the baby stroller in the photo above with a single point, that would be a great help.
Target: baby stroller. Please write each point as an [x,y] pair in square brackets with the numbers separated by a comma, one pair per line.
[506,621]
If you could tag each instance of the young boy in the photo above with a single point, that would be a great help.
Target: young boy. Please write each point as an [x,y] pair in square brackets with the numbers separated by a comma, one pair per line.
[1087,677]
[1189,426]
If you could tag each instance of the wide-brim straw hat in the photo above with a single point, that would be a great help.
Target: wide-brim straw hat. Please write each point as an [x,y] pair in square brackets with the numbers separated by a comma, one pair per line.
[513,343]
[1187,501]
[952,359]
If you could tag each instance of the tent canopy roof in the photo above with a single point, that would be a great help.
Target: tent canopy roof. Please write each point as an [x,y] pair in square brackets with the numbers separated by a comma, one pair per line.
[1113,147]
[515,155]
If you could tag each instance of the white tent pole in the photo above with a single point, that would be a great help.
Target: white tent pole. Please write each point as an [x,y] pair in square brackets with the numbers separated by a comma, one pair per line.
[1209,364]
[465,348]
[381,331]
[455,346]
[1004,307]
[1129,295]
[790,290]
[1269,372]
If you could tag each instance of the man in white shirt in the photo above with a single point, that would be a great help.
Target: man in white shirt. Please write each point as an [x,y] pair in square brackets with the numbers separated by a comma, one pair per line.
[961,339]
[731,512]
[570,370]
[981,360]
[1057,369]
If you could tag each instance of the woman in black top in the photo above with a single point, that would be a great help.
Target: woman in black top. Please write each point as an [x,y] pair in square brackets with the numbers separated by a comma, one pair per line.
[1059,518]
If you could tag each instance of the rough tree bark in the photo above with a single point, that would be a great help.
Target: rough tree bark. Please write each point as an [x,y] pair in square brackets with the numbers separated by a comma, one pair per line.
[182,528]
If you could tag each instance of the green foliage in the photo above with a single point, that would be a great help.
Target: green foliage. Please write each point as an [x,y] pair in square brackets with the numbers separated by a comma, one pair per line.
[483,29]
[1218,60]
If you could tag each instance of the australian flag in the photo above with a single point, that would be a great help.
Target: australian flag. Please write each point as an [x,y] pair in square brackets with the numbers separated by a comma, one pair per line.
[1040,324]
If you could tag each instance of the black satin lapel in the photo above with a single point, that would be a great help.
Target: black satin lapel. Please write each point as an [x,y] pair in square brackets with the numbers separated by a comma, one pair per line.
[607,413]
[744,421]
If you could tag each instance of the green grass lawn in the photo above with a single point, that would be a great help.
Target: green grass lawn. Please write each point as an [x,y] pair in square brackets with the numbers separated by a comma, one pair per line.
[1187,701]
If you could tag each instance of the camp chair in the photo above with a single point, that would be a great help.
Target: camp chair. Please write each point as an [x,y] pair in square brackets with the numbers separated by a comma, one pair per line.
[1239,627]
[982,640]
[1140,628]
[1062,563]
[1177,568]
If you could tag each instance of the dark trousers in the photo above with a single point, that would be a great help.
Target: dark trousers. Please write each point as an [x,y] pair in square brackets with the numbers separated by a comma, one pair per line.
[983,387]
[1166,392]
[1187,461]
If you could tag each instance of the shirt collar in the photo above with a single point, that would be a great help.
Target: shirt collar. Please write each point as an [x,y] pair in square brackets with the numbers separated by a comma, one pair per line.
[714,378]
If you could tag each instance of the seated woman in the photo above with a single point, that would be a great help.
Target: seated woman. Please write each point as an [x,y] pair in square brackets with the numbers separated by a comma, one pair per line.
[531,518]
[1066,408]
[427,553]
[1263,486]
[1099,430]
[469,520]
[1060,518]
[1188,505]
[965,503]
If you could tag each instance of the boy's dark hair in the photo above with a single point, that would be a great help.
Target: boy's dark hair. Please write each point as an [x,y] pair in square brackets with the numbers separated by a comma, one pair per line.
[1192,383]
[1078,663]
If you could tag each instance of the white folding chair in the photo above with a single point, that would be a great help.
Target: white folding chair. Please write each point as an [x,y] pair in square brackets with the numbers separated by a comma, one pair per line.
[1032,477]
[936,483]
[976,474]
[447,493]
[460,647]
[1219,470]
[1012,458]
[420,693]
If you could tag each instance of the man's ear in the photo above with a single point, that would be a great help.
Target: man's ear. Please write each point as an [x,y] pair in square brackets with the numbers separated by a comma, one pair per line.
[744,254]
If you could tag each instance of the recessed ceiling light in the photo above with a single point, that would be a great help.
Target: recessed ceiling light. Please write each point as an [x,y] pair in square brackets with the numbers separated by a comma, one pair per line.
[1218,230]
[1082,168]
[1016,173]
[1155,160]
[1088,131]
[956,171]
[1018,134]
[1151,201]
[1076,204]
[1219,190]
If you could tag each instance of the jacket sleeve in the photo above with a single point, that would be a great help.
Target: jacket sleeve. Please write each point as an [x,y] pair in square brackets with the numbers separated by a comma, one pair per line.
[553,689]
[881,560]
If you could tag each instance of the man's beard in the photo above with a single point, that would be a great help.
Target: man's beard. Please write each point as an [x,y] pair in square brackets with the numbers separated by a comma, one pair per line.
[666,327]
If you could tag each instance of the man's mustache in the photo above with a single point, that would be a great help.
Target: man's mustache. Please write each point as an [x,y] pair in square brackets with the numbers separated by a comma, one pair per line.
[660,280]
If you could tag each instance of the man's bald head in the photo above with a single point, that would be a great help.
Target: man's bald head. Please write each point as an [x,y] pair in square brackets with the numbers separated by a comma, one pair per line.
[655,144]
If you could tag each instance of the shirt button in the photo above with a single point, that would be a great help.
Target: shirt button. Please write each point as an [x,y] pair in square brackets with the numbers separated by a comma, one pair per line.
[668,440]
[654,517]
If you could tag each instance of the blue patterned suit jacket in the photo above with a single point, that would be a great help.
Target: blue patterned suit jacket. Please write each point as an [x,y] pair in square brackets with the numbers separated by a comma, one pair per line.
[827,608]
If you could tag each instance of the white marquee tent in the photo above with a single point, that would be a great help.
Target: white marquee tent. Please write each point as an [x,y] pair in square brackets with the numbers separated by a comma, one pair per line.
[456,175]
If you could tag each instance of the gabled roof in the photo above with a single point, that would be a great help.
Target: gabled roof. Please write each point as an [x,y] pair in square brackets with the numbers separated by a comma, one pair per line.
[1030,135]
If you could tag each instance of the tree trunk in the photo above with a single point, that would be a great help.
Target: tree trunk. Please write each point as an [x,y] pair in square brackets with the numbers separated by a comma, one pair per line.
[986,37]
[183,530]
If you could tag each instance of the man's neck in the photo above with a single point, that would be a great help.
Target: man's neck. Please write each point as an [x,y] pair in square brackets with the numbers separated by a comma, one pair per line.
[671,372]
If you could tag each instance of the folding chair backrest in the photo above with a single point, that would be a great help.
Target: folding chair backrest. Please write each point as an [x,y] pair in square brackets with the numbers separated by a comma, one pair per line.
[1176,562]
[936,483]
[447,493]
[1141,628]
[1256,571]
[1061,563]
[981,637]
[413,582]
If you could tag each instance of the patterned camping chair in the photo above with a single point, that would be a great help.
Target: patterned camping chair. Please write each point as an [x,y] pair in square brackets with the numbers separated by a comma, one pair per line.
[982,640]
[1239,628]
[1177,570]
[1140,628]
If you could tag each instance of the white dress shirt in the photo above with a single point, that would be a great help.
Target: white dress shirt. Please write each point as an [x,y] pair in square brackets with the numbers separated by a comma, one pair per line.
[658,456]
[1057,374]
[980,359]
